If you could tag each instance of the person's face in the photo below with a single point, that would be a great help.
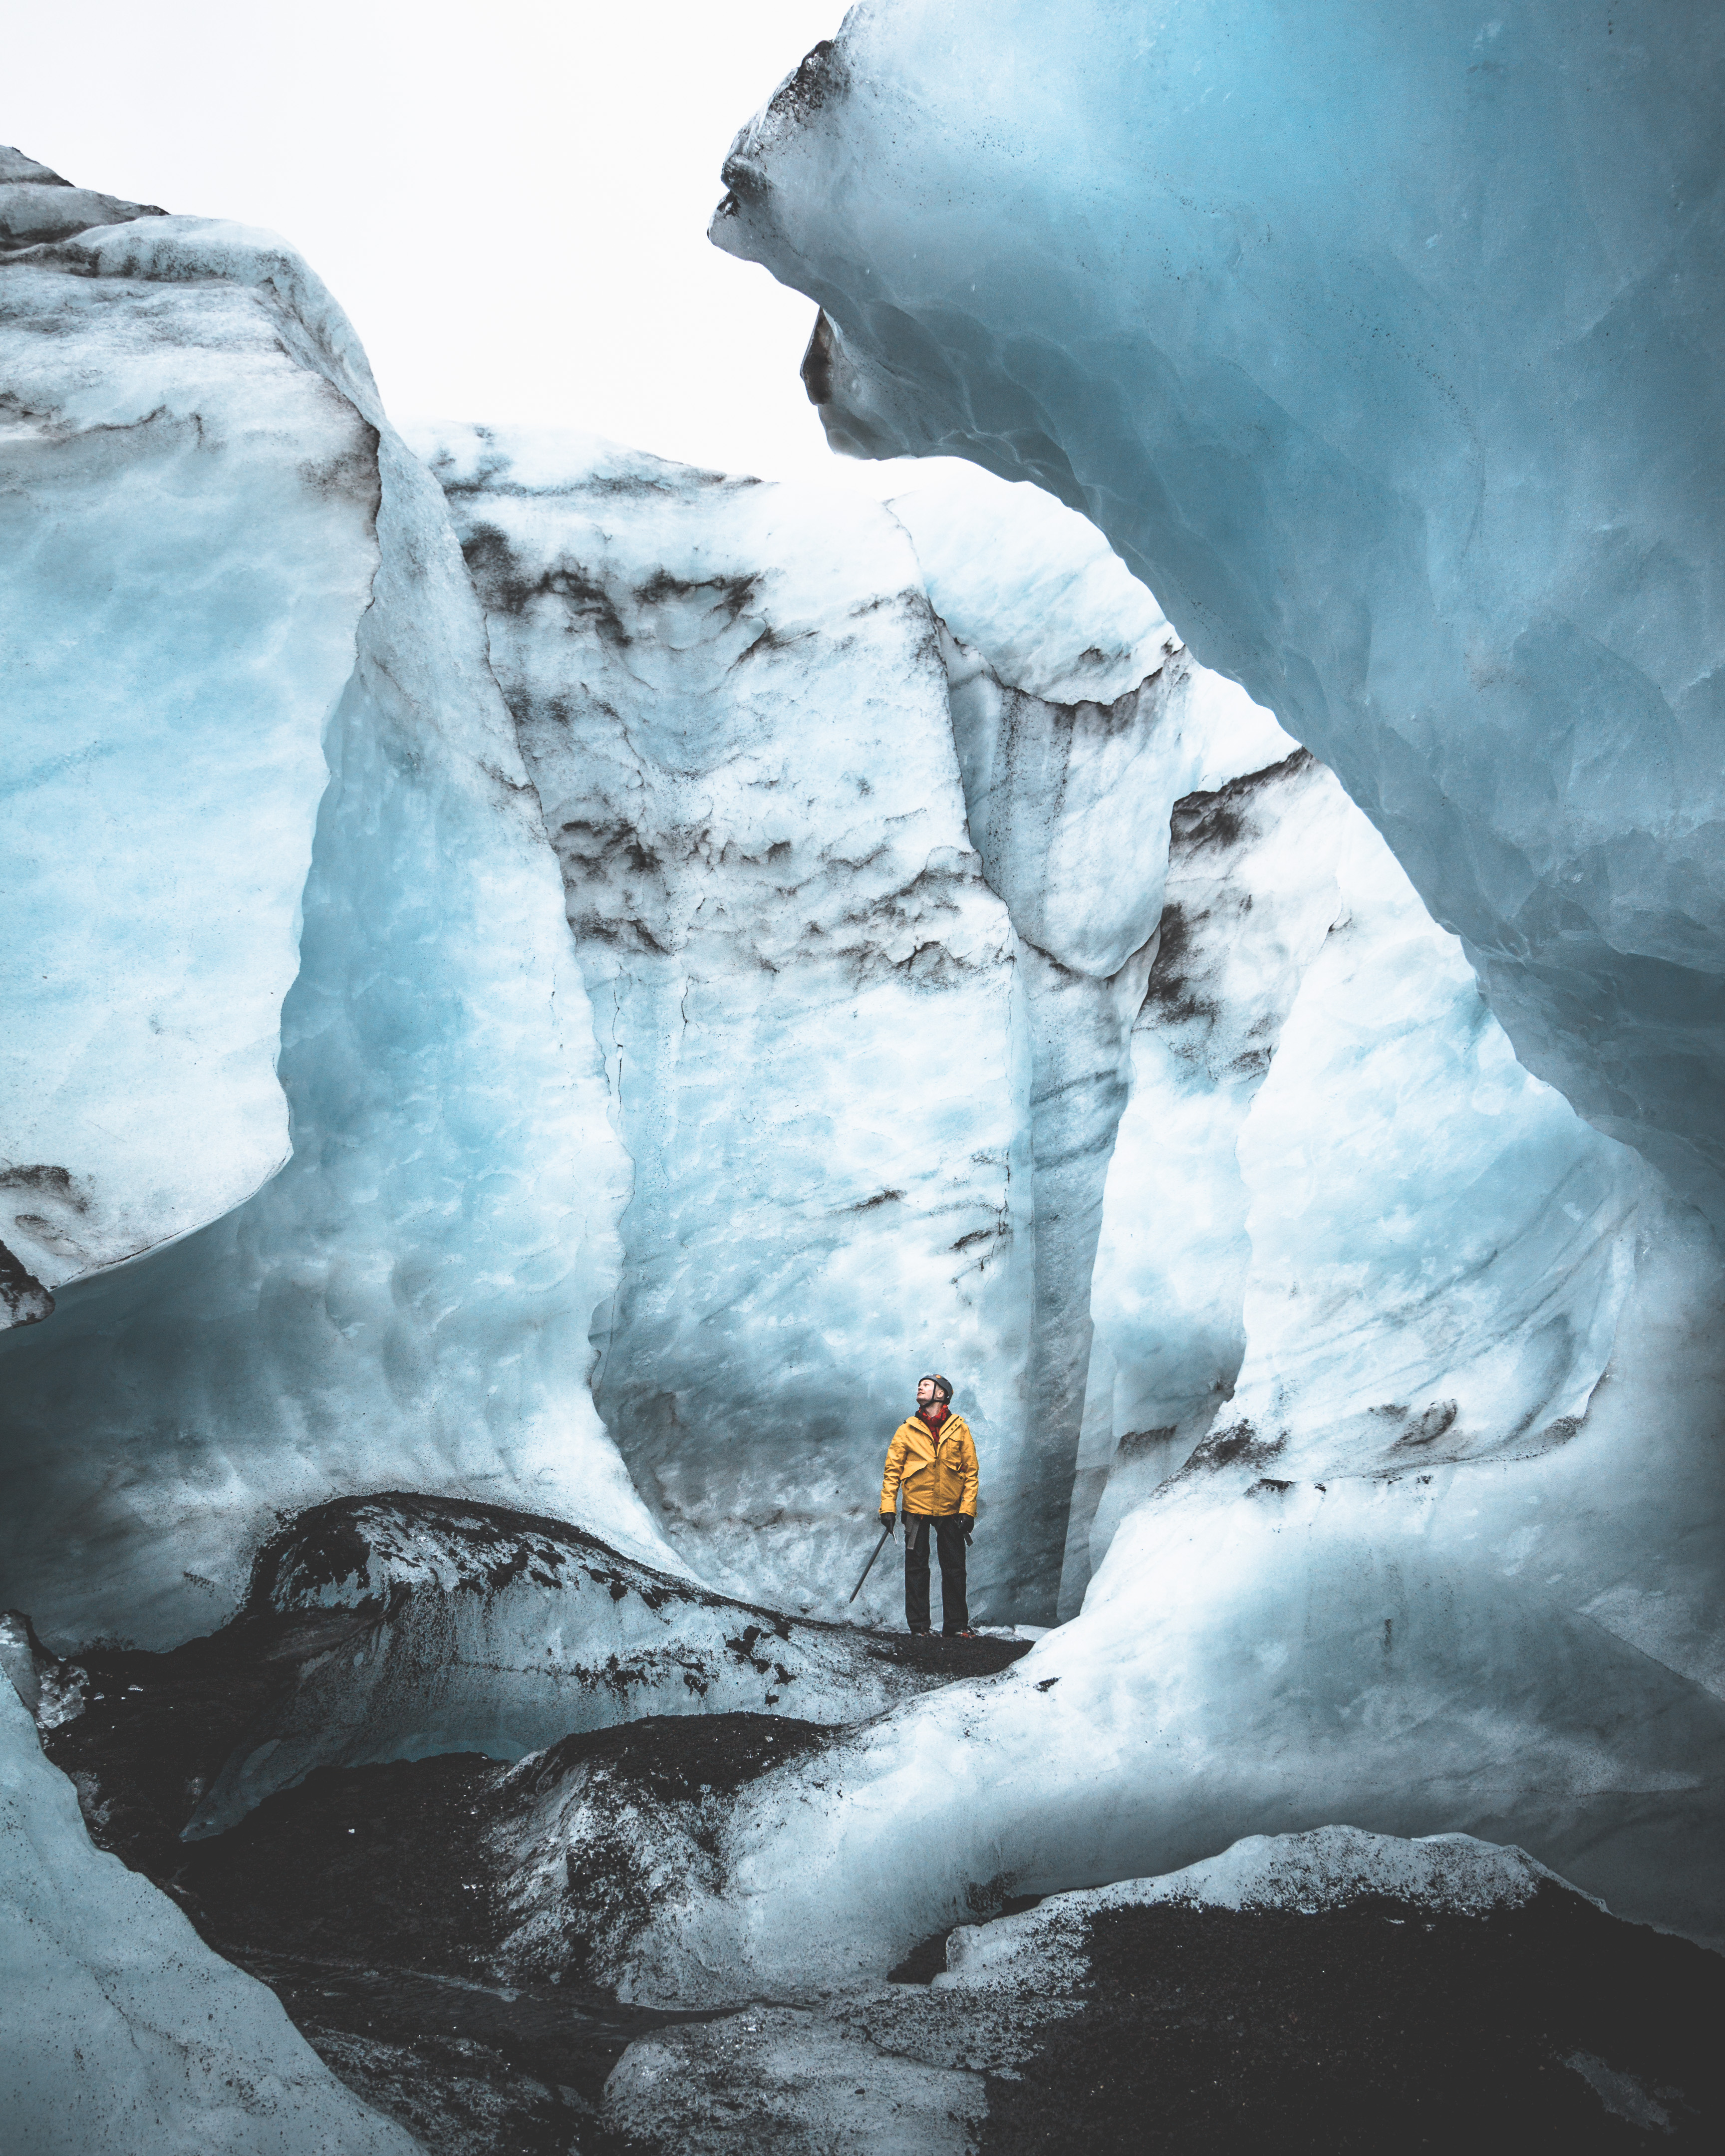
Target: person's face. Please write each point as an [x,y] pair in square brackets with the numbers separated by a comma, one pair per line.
[926,1394]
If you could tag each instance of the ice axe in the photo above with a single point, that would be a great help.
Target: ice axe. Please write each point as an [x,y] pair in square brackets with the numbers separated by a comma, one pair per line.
[885,1533]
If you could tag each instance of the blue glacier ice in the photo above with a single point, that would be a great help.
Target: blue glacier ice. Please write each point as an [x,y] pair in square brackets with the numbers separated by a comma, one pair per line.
[537,976]
[1382,345]
[406,1302]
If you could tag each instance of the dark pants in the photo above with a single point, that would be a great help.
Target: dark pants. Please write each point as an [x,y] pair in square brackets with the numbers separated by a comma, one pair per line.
[949,1538]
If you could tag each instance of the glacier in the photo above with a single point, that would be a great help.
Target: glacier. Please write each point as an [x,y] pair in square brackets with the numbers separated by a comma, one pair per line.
[1382,351]
[543,992]
[122,2029]
[385,1311]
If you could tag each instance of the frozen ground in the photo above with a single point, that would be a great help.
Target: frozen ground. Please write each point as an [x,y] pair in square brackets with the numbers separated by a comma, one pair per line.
[1341,1984]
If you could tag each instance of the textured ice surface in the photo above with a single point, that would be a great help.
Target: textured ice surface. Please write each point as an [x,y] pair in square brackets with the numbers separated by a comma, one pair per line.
[1345,1230]
[1385,349]
[493,1631]
[121,2031]
[407,1303]
[1041,1951]
[731,700]
[1032,585]
[166,686]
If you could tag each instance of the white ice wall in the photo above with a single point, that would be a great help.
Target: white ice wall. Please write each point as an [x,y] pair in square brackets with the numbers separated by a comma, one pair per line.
[732,705]
[407,1303]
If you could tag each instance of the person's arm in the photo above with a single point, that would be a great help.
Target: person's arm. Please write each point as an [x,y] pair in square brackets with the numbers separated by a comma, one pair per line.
[967,1503]
[894,1473]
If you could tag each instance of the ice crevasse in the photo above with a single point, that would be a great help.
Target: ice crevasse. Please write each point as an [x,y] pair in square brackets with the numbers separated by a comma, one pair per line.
[657,958]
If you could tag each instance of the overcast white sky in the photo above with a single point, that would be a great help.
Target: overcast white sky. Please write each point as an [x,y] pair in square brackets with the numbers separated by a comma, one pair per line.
[510,200]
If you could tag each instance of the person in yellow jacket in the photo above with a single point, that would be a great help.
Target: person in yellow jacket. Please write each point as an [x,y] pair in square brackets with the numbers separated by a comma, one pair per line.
[933,1460]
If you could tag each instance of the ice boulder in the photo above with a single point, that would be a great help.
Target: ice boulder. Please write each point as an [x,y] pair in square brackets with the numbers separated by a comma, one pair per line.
[168,686]
[122,2032]
[282,830]
[475,1628]
[1383,348]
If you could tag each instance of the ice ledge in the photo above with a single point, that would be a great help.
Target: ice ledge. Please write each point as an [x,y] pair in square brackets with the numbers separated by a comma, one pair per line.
[1325,1868]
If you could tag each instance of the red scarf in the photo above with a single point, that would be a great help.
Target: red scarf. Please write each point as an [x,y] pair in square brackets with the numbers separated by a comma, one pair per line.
[934,1416]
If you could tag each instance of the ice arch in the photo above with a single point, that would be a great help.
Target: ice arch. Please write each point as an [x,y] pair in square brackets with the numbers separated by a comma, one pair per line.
[1382,344]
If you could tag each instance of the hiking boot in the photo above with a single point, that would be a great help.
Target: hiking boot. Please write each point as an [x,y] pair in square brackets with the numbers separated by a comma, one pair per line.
[963,1632]
[919,1632]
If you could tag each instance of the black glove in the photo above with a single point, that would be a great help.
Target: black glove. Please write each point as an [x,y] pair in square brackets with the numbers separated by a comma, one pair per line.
[967,1524]
[889,1521]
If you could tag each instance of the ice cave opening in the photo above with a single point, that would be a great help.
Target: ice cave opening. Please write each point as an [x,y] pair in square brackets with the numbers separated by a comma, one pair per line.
[545,985]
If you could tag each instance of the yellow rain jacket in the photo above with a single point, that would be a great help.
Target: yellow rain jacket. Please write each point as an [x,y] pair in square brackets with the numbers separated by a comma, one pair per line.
[938,1471]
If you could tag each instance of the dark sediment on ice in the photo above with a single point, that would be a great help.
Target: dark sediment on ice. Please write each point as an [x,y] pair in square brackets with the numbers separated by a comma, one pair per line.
[157,1728]
[936,1655]
[369,1900]
[927,1958]
[1550,2027]
[678,1757]
[373,1899]
[367,1897]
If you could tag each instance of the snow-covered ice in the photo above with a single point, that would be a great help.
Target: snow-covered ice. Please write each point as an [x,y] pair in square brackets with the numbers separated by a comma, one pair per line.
[1521,1648]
